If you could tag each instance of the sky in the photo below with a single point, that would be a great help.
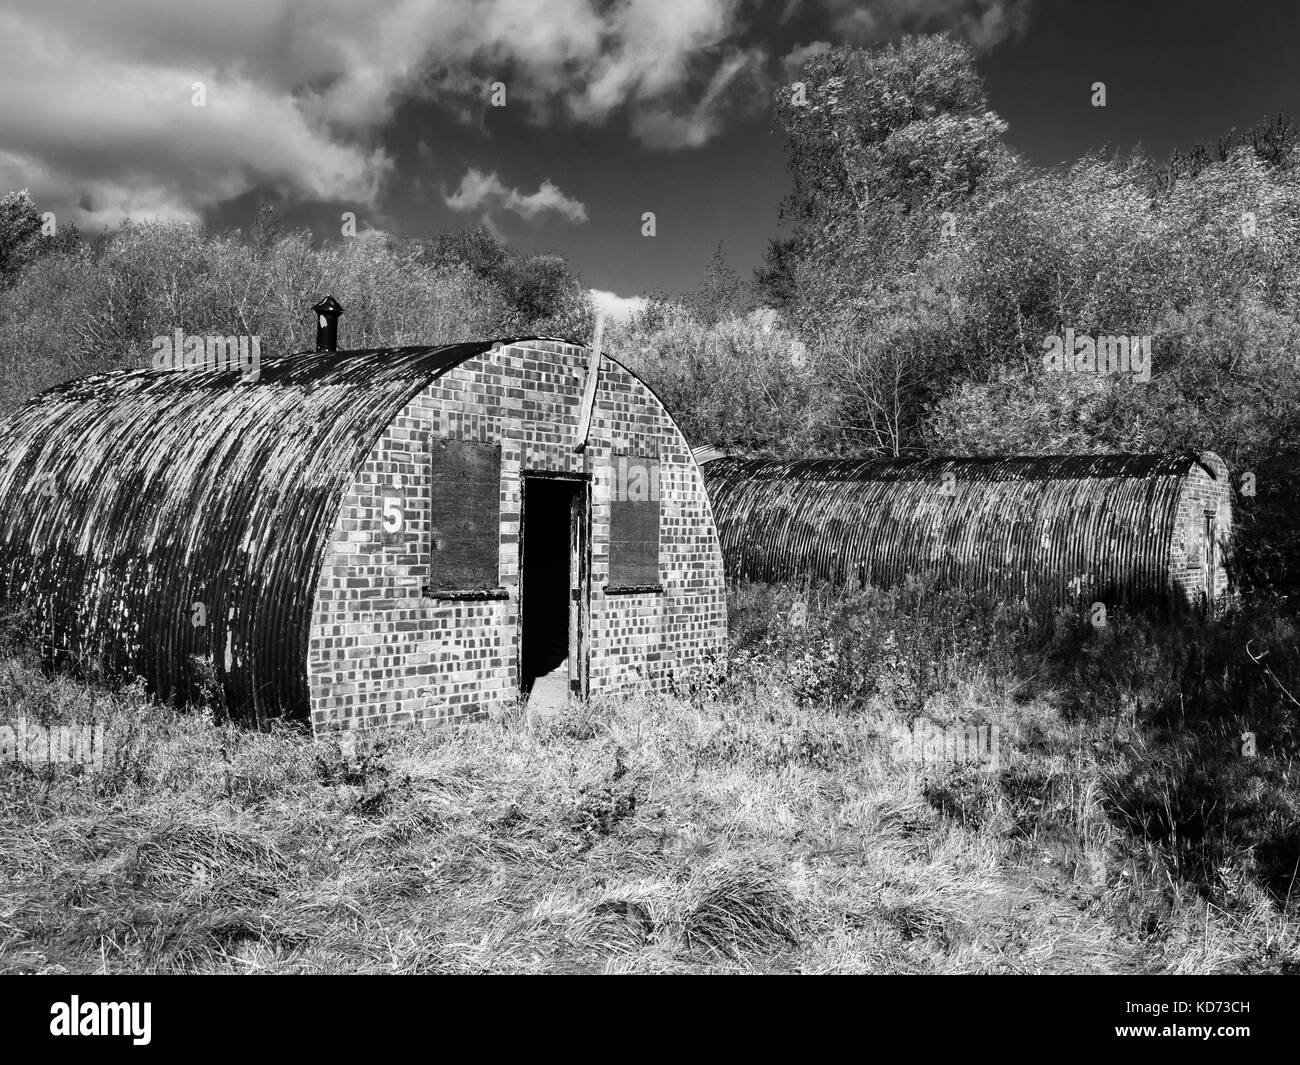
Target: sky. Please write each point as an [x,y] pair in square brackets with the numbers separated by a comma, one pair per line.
[562,122]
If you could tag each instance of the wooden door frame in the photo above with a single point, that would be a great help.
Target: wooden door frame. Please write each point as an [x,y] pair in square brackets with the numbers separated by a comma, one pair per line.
[579,576]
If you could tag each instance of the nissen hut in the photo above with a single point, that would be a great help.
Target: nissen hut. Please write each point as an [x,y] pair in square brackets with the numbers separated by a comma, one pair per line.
[365,538]
[1131,529]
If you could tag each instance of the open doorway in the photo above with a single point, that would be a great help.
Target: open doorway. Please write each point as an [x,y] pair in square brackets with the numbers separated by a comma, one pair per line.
[553,583]
[1211,558]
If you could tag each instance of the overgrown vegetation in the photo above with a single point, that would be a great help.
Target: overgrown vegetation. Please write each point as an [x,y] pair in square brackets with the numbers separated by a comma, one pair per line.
[69,307]
[906,310]
[767,820]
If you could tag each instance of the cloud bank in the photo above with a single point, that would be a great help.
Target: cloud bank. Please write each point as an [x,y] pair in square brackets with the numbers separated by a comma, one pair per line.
[97,100]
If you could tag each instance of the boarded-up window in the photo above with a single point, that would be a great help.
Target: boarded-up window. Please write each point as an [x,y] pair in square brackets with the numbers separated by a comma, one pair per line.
[466,517]
[634,522]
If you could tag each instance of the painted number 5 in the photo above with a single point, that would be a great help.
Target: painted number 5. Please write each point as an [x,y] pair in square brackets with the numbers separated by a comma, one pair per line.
[394,519]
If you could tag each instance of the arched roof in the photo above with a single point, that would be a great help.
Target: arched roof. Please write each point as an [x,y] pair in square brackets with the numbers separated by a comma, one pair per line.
[131,496]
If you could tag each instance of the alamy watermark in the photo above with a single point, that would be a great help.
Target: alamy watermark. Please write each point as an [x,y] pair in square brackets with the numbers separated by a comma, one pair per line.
[1098,355]
[52,745]
[929,744]
[182,352]
[636,479]
[77,1018]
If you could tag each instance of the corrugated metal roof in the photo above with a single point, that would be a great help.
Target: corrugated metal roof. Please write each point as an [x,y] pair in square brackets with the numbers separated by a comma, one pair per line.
[1024,526]
[131,496]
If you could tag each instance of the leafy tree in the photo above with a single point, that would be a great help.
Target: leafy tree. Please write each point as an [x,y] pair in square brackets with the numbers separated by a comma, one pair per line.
[94,310]
[540,293]
[746,384]
[20,232]
[879,144]
[1273,140]
[21,239]
[721,295]
[267,229]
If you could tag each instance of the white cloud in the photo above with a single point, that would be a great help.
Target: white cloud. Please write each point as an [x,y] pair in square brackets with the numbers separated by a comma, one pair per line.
[615,307]
[488,193]
[662,127]
[983,23]
[95,98]
[100,134]
[653,43]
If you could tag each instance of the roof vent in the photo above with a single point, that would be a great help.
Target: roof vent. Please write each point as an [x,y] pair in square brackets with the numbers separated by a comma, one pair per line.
[706,453]
[327,324]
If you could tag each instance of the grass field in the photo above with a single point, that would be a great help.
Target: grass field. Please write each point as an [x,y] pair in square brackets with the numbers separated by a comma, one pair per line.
[768,821]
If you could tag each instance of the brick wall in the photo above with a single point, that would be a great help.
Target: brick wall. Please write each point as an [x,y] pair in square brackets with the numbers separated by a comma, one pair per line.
[383,654]
[1201,492]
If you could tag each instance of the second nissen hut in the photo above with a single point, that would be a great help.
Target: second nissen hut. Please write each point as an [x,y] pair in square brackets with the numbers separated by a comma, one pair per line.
[365,538]
[1130,529]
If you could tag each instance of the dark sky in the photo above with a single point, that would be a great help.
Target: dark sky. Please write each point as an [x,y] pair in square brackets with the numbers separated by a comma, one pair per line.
[1175,71]
[613,109]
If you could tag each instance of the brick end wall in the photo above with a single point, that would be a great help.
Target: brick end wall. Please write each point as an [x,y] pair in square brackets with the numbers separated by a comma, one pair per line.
[1201,492]
[381,654]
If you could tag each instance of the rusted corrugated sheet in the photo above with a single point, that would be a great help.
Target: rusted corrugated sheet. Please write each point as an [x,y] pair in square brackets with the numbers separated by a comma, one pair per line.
[127,498]
[1037,527]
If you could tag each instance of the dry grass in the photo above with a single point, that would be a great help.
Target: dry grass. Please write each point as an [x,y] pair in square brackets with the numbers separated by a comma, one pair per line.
[745,827]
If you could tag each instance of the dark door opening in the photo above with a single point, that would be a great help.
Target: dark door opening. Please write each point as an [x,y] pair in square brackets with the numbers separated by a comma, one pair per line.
[1211,560]
[552,583]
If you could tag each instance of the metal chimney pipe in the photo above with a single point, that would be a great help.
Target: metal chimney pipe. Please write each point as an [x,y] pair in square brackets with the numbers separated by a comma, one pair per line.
[327,324]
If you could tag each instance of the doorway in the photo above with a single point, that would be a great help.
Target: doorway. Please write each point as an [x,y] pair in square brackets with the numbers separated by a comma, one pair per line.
[553,599]
[1211,559]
